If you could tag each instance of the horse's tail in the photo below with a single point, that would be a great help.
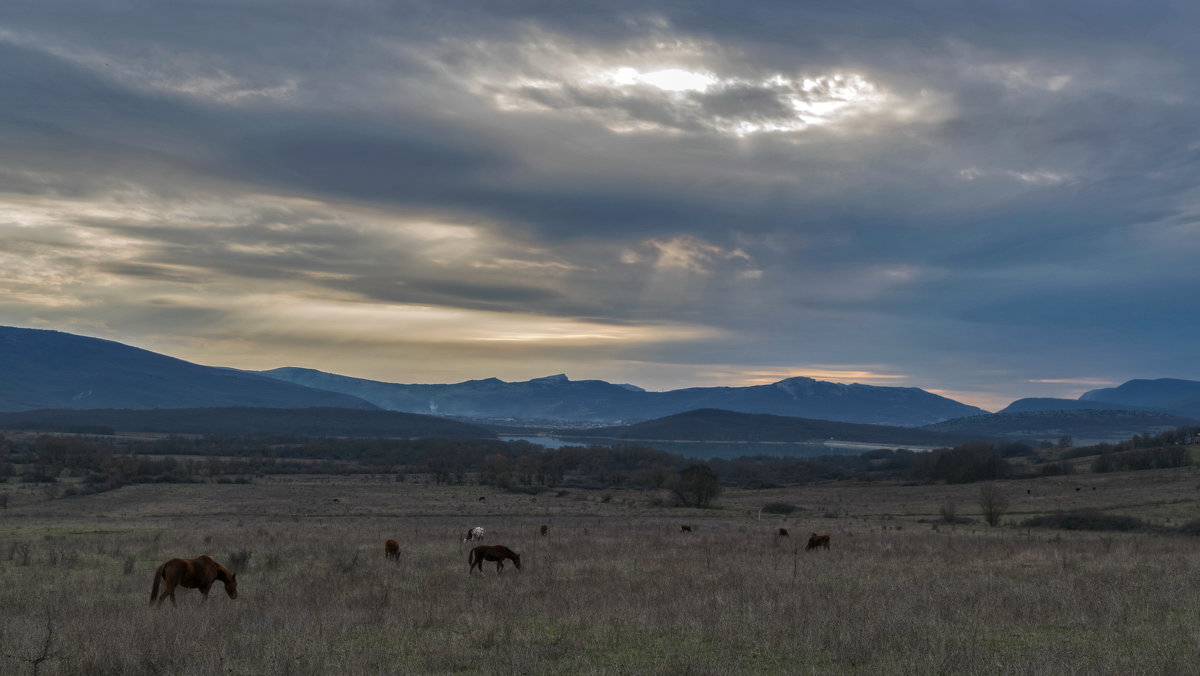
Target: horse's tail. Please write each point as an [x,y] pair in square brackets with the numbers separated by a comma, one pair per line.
[157,577]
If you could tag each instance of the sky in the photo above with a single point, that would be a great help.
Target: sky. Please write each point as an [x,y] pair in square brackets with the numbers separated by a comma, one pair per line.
[986,200]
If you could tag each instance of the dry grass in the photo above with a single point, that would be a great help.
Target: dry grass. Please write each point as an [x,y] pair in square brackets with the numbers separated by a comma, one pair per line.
[614,588]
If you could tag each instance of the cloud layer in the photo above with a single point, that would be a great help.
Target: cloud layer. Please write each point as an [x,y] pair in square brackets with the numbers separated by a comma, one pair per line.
[986,201]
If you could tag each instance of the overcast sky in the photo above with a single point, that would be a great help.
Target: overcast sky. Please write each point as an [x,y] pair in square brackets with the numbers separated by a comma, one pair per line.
[985,200]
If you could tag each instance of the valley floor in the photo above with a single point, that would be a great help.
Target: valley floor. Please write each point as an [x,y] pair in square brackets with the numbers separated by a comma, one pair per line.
[614,587]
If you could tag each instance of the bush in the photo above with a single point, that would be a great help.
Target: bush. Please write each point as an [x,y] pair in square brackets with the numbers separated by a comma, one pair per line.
[1088,520]
[779,508]
[1057,469]
[1190,528]
[240,560]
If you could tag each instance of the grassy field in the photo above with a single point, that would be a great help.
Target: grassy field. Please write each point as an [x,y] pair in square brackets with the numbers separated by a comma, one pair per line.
[614,588]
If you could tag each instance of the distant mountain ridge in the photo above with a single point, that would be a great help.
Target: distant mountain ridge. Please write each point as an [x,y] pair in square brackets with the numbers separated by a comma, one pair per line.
[42,369]
[1035,404]
[557,398]
[1173,395]
[1081,424]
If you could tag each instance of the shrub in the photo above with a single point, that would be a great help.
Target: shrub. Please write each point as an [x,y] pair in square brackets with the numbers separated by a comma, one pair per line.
[1190,528]
[240,560]
[949,513]
[1057,469]
[779,508]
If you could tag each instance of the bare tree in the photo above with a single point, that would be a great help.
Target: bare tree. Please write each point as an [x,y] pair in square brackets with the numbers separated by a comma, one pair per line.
[992,502]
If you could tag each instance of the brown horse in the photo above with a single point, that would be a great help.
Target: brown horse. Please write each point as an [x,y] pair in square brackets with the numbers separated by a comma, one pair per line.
[497,553]
[783,533]
[815,541]
[391,550]
[685,528]
[200,572]
[543,529]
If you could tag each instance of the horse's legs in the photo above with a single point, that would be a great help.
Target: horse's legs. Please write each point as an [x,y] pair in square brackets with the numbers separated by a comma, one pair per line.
[168,590]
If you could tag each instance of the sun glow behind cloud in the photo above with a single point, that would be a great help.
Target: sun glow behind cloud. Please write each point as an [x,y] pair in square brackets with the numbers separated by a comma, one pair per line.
[677,86]
[667,79]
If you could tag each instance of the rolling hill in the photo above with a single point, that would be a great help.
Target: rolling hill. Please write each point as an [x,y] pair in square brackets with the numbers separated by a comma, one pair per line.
[732,426]
[313,422]
[54,370]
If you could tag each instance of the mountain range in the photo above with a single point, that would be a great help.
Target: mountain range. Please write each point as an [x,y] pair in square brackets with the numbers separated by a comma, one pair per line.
[41,369]
[557,399]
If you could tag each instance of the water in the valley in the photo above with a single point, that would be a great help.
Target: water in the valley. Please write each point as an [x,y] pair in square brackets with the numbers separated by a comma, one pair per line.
[712,449]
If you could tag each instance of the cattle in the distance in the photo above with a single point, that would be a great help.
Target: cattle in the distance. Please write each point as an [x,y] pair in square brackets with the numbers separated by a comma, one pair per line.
[817,541]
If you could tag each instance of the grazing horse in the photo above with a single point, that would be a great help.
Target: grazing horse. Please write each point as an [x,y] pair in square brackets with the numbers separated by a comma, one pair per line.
[685,528]
[200,572]
[391,550]
[543,529]
[815,541]
[475,533]
[783,533]
[497,553]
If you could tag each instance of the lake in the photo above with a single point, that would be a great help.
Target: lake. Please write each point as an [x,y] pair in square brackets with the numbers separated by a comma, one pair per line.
[718,449]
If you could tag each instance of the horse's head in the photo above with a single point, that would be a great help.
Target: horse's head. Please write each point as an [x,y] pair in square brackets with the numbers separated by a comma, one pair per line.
[516,559]
[231,585]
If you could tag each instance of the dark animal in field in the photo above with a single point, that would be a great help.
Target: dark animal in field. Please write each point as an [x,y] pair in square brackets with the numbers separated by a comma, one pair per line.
[815,541]
[497,553]
[685,528]
[783,533]
[391,550]
[543,529]
[475,533]
[483,498]
[198,573]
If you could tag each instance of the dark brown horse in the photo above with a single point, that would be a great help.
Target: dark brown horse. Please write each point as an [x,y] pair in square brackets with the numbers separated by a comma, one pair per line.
[815,541]
[391,550]
[685,528]
[198,573]
[543,529]
[783,533]
[497,553]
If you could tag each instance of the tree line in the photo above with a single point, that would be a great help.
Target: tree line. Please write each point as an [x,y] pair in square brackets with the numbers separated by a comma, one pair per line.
[104,462]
